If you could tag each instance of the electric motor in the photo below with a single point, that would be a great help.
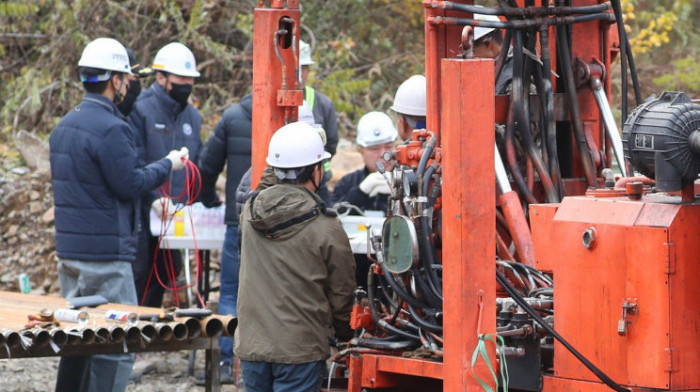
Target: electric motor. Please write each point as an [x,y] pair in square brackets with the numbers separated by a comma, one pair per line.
[662,140]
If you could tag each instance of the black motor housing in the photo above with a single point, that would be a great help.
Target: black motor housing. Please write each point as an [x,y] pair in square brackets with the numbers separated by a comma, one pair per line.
[661,139]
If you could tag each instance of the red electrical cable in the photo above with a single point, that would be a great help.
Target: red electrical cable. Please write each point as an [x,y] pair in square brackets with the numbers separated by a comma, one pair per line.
[190,192]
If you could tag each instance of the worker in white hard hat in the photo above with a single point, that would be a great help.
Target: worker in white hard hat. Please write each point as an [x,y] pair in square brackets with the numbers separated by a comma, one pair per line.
[409,104]
[321,106]
[367,188]
[164,119]
[323,111]
[297,271]
[488,43]
[97,185]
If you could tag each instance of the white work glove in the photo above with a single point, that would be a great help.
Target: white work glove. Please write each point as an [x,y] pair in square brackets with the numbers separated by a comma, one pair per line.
[176,158]
[162,205]
[375,184]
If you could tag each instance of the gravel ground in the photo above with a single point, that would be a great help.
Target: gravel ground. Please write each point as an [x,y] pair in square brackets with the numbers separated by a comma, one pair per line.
[161,372]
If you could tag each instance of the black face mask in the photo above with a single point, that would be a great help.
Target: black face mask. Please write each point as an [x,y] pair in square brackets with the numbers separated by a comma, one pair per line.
[131,94]
[180,92]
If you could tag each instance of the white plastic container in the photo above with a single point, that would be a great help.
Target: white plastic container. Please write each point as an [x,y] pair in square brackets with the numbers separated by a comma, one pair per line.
[207,223]
[356,228]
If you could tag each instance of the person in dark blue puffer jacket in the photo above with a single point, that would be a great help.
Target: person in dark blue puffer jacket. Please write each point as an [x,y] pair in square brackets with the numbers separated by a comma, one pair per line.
[163,119]
[97,183]
[230,145]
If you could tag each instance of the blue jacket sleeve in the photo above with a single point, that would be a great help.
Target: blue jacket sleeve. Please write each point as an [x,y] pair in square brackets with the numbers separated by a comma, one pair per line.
[331,127]
[348,189]
[119,165]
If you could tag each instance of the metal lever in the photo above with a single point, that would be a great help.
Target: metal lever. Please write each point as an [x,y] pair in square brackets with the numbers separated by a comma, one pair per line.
[501,175]
[610,125]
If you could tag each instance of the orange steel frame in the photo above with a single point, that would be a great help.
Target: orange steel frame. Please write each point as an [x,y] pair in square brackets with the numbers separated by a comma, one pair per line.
[276,92]
[465,128]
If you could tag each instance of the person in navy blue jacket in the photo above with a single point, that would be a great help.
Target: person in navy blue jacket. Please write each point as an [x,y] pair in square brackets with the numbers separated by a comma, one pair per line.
[230,145]
[163,119]
[97,183]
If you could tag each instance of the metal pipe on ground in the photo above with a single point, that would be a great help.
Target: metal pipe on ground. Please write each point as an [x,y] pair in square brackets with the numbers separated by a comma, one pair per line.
[194,328]
[179,331]
[212,327]
[148,331]
[230,323]
[164,331]
[10,338]
[80,335]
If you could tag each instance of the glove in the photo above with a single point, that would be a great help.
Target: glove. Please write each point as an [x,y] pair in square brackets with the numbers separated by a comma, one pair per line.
[161,205]
[375,184]
[178,158]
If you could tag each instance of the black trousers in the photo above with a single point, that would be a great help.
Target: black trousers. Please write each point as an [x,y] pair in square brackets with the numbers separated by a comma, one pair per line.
[143,269]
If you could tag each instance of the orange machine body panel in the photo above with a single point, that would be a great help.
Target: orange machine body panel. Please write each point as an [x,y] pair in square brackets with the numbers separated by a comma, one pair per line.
[643,253]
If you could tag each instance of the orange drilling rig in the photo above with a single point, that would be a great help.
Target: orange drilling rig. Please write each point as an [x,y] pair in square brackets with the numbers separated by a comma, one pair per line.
[504,198]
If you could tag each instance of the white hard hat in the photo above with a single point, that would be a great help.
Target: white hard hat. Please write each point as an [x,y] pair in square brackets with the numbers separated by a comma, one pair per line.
[410,97]
[295,145]
[176,58]
[306,114]
[107,54]
[479,32]
[375,128]
[305,54]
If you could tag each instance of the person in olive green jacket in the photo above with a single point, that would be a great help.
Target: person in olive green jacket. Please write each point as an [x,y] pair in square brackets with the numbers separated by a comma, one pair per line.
[297,274]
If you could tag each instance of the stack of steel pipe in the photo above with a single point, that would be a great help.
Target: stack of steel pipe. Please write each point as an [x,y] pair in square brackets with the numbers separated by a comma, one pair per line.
[30,321]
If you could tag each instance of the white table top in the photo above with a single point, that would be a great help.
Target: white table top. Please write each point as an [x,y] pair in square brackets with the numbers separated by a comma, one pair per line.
[189,242]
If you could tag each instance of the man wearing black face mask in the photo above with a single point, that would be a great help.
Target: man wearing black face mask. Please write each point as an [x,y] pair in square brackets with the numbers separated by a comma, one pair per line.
[97,184]
[164,120]
[134,85]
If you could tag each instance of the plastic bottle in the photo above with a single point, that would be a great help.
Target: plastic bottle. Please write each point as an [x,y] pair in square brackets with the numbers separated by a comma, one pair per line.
[72,316]
[130,318]
[180,223]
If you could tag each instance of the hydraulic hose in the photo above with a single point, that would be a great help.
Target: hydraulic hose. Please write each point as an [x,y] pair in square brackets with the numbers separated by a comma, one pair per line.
[422,323]
[427,289]
[516,97]
[428,257]
[512,159]
[520,12]
[514,273]
[617,9]
[383,344]
[539,275]
[426,181]
[550,125]
[522,24]
[429,147]
[523,118]
[626,49]
[527,308]
[577,123]
[633,71]
[380,322]
[397,289]
[503,55]
[427,248]
[526,273]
